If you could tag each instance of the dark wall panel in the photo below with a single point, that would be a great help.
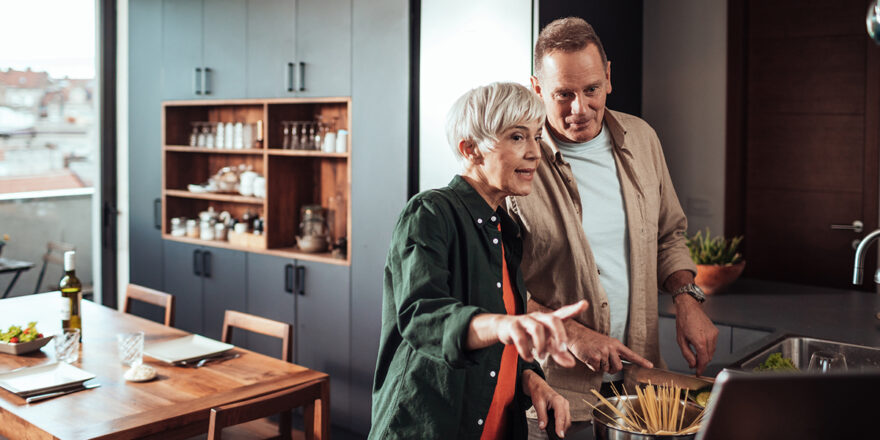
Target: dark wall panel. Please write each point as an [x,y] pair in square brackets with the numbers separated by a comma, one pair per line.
[619,25]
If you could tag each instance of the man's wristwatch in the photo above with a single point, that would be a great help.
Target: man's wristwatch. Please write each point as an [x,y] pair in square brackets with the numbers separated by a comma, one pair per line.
[692,290]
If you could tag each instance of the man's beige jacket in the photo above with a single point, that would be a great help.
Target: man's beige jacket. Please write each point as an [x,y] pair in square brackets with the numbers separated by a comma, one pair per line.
[558,264]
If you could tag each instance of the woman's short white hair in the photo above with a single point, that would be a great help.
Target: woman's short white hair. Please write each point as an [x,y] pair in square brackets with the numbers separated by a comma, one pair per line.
[482,114]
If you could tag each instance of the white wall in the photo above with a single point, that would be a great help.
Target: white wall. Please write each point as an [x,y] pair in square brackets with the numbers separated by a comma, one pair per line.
[465,44]
[684,98]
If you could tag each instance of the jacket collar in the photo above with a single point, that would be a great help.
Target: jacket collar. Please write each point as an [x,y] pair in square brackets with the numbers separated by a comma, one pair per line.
[611,120]
[481,213]
[473,201]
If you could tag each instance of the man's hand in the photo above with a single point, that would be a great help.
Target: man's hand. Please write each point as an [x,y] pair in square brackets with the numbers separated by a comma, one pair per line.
[545,398]
[694,329]
[601,353]
[540,333]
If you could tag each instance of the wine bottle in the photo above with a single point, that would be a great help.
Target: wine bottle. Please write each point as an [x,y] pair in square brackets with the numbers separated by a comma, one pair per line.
[71,295]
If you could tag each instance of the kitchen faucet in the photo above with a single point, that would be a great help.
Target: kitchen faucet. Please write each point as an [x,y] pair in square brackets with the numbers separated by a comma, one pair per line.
[860,256]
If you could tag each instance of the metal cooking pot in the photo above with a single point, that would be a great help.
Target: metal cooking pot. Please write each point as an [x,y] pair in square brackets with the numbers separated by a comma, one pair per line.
[604,429]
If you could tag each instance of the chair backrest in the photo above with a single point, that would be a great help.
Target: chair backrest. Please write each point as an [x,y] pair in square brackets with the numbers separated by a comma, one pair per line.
[55,255]
[150,296]
[258,324]
[305,395]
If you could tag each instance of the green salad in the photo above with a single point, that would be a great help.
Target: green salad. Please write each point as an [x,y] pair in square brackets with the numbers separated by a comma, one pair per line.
[775,362]
[16,334]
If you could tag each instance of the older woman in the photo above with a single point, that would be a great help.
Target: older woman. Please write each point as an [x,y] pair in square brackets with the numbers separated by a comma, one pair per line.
[456,357]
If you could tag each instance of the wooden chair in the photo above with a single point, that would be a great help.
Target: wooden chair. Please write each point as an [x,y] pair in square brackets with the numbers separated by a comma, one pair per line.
[314,396]
[54,255]
[256,426]
[150,296]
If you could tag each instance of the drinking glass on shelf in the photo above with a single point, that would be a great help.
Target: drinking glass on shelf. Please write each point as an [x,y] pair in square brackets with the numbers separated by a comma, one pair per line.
[311,136]
[304,139]
[825,362]
[194,136]
[294,135]
[285,135]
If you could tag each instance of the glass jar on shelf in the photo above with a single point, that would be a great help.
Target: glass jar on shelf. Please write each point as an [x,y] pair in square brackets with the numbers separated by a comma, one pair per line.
[203,134]
[313,232]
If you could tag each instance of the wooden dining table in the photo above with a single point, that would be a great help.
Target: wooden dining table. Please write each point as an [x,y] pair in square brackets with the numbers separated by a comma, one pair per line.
[177,404]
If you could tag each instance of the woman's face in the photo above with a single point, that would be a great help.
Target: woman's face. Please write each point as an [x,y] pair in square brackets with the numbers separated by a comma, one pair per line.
[509,167]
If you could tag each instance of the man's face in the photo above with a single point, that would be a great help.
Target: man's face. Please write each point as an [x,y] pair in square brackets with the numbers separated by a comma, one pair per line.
[573,86]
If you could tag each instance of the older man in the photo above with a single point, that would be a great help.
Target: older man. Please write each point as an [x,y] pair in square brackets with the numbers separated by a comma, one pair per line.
[603,223]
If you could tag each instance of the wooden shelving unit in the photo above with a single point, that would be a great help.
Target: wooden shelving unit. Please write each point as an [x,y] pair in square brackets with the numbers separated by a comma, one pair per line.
[294,178]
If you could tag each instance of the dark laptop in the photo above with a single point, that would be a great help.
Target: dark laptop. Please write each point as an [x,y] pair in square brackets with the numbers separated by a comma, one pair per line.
[782,406]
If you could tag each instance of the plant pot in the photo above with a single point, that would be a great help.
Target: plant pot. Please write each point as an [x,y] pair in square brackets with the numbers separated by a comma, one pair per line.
[713,278]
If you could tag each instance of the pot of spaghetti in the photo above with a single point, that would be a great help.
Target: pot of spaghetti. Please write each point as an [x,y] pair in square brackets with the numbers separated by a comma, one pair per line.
[654,413]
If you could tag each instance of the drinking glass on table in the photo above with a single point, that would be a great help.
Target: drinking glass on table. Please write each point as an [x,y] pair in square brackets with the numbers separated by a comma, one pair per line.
[131,348]
[67,345]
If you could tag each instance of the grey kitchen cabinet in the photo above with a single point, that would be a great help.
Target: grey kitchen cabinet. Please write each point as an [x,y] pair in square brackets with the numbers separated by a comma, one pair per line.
[314,297]
[181,49]
[205,283]
[323,329]
[271,48]
[298,48]
[183,280]
[270,294]
[323,46]
[225,47]
[145,156]
[223,286]
[203,49]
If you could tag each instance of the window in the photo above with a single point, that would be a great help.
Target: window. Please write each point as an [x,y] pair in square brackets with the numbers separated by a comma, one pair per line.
[49,140]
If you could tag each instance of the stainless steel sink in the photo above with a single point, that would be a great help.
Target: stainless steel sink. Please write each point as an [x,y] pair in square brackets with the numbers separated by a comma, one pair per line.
[800,349]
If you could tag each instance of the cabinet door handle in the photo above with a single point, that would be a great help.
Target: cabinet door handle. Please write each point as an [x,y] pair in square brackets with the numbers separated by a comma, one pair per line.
[288,278]
[197,81]
[157,213]
[289,77]
[206,264]
[300,288]
[197,263]
[302,77]
[206,81]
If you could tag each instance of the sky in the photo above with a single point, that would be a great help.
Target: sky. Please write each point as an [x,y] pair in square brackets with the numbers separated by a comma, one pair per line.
[57,36]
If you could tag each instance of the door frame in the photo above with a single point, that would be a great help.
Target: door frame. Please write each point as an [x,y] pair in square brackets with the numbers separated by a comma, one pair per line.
[108,143]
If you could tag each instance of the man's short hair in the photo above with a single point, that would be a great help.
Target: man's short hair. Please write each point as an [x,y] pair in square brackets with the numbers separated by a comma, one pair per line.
[482,114]
[569,34]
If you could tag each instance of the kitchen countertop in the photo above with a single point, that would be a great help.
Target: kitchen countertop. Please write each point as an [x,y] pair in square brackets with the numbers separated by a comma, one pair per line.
[781,308]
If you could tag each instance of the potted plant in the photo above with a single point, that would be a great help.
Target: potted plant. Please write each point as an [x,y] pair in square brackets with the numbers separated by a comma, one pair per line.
[718,262]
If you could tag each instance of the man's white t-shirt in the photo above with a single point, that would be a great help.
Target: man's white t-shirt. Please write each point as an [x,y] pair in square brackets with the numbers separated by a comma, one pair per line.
[604,221]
